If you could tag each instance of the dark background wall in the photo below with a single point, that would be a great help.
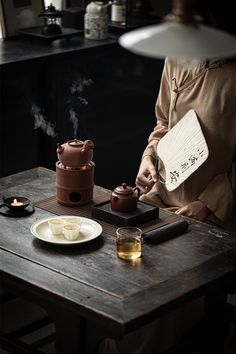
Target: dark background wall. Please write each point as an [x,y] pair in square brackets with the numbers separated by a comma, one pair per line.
[112,93]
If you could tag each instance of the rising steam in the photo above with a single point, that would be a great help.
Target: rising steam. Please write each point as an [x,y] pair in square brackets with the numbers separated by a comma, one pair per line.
[77,100]
[41,122]
[79,85]
[74,121]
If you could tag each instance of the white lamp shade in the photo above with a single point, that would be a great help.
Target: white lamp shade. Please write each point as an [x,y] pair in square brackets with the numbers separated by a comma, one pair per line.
[179,40]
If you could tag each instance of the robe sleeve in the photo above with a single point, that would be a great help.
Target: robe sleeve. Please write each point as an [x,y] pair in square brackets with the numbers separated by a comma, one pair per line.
[162,114]
[220,195]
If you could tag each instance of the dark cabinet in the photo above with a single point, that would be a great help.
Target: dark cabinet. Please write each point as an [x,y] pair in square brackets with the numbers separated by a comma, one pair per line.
[18,139]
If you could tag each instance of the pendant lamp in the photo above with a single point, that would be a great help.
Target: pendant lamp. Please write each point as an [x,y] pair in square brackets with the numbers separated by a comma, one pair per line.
[180,35]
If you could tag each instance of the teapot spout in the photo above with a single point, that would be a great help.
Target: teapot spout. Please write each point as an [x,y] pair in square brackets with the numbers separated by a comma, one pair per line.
[59,148]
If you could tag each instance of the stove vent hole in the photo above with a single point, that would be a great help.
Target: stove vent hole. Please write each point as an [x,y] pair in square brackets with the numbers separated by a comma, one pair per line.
[75,197]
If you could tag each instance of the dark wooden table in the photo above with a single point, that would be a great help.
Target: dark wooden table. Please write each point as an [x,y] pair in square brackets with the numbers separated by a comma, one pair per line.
[87,285]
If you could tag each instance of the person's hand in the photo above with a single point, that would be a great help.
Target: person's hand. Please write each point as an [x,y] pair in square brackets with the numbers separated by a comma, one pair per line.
[196,210]
[147,175]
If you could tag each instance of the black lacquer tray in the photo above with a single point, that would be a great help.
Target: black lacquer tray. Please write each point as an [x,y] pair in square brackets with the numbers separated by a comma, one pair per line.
[36,32]
[144,212]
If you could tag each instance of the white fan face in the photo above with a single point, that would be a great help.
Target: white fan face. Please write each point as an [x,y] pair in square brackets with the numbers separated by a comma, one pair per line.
[182,150]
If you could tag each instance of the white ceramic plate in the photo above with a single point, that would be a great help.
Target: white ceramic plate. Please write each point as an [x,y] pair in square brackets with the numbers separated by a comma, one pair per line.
[90,229]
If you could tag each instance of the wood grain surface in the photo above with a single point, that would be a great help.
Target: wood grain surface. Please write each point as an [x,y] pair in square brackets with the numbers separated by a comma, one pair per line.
[90,279]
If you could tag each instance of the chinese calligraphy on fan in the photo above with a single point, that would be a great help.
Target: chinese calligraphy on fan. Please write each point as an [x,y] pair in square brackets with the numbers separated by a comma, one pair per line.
[191,161]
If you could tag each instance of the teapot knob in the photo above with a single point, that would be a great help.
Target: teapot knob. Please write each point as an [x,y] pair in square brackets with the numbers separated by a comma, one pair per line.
[124,185]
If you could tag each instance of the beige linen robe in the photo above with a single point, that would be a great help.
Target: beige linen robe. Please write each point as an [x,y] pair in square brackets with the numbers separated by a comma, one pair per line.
[210,89]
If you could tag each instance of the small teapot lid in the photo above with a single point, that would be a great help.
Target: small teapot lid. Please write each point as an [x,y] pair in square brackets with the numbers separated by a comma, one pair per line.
[124,189]
[75,143]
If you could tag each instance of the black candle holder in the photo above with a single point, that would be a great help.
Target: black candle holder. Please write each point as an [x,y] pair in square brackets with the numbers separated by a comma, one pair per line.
[16,206]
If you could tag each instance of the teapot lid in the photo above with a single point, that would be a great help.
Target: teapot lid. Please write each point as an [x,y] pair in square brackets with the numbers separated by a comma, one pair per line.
[75,143]
[124,189]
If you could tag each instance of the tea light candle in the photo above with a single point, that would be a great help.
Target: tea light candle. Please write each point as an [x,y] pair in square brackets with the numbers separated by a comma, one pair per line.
[16,203]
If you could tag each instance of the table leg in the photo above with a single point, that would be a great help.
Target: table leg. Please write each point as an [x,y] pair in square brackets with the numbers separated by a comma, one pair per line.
[76,335]
[215,326]
[68,331]
[94,334]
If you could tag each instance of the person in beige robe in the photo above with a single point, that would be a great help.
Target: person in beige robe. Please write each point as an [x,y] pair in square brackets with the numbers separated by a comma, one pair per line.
[209,194]
[209,88]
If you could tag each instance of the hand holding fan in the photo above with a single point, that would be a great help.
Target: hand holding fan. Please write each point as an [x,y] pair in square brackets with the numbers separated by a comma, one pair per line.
[182,150]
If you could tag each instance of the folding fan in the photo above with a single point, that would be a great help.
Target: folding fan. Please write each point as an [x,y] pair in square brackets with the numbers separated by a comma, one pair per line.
[182,150]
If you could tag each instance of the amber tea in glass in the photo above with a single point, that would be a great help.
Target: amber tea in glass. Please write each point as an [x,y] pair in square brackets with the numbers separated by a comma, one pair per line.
[128,242]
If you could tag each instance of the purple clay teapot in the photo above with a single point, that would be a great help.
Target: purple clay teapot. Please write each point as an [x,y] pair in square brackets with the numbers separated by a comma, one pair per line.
[75,153]
[124,198]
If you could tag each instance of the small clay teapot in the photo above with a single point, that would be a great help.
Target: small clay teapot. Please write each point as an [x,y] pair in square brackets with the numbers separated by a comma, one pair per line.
[75,153]
[124,198]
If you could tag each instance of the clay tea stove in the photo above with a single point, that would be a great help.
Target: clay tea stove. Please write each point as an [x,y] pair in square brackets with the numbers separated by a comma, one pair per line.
[75,172]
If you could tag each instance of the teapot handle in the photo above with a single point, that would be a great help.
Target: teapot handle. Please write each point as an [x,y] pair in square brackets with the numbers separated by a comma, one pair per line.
[136,189]
[88,145]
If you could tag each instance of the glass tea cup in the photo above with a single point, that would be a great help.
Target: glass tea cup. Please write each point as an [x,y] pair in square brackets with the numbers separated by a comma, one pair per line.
[56,226]
[128,242]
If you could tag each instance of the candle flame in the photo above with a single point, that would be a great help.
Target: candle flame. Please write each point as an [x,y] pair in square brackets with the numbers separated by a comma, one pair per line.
[16,203]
